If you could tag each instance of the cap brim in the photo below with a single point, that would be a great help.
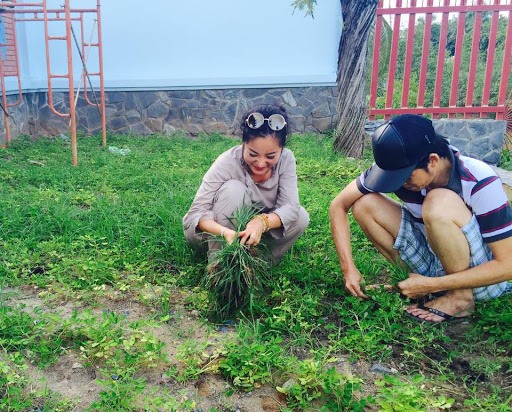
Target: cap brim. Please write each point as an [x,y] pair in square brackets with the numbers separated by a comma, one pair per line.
[387,181]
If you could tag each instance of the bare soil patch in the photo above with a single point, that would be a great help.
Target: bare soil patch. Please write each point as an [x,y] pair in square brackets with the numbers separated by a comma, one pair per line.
[71,377]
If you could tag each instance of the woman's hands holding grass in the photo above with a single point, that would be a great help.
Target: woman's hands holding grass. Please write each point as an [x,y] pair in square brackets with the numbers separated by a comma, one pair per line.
[251,235]
[229,234]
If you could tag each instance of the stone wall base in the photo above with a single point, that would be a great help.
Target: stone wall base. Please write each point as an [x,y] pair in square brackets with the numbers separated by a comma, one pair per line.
[311,109]
[479,138]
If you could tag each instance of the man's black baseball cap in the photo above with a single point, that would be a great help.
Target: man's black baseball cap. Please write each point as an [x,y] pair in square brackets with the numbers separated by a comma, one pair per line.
[398,146]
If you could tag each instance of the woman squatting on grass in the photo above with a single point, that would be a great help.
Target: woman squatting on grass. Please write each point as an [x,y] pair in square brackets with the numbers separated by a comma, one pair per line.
[453,229]
[259,173]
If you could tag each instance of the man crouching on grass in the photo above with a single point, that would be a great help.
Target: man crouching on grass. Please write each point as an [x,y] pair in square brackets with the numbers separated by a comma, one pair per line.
[453,229]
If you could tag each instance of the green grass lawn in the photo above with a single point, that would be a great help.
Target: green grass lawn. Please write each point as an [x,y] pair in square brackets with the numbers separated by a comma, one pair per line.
[79,245]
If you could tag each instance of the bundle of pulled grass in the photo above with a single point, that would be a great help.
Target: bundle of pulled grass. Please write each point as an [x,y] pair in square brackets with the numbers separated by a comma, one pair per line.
[235,272]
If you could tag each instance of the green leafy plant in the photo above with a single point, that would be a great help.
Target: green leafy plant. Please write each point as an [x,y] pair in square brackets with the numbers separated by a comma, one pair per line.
[111,338]
[197,357]
[164,400]
[250,359]
[493,322]
[121,390]
[291,311]
[506,157]
[316,381]
[37,337]
[235,271]
[12,383]
[415,395]
[492,402]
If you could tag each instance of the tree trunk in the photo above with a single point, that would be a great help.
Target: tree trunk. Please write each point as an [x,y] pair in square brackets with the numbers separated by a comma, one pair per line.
[358,19]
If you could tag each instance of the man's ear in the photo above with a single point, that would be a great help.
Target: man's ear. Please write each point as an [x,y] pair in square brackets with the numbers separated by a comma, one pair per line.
[433,160]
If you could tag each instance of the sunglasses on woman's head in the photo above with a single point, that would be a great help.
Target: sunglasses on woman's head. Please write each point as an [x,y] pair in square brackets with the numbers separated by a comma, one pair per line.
[275,121]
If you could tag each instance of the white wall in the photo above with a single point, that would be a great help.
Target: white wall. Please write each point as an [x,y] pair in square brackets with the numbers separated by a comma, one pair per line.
[194,44]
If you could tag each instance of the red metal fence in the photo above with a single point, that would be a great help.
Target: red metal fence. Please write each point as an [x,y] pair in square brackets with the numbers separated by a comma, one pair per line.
[445,58]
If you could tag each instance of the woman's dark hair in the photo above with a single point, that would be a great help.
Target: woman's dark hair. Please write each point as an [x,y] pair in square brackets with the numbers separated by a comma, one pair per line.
[266,110]
[440,146]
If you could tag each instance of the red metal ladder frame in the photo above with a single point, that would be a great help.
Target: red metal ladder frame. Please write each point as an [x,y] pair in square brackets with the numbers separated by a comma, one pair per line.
[40,12]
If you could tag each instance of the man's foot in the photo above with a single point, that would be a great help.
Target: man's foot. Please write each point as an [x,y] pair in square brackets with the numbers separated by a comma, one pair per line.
[454,304]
